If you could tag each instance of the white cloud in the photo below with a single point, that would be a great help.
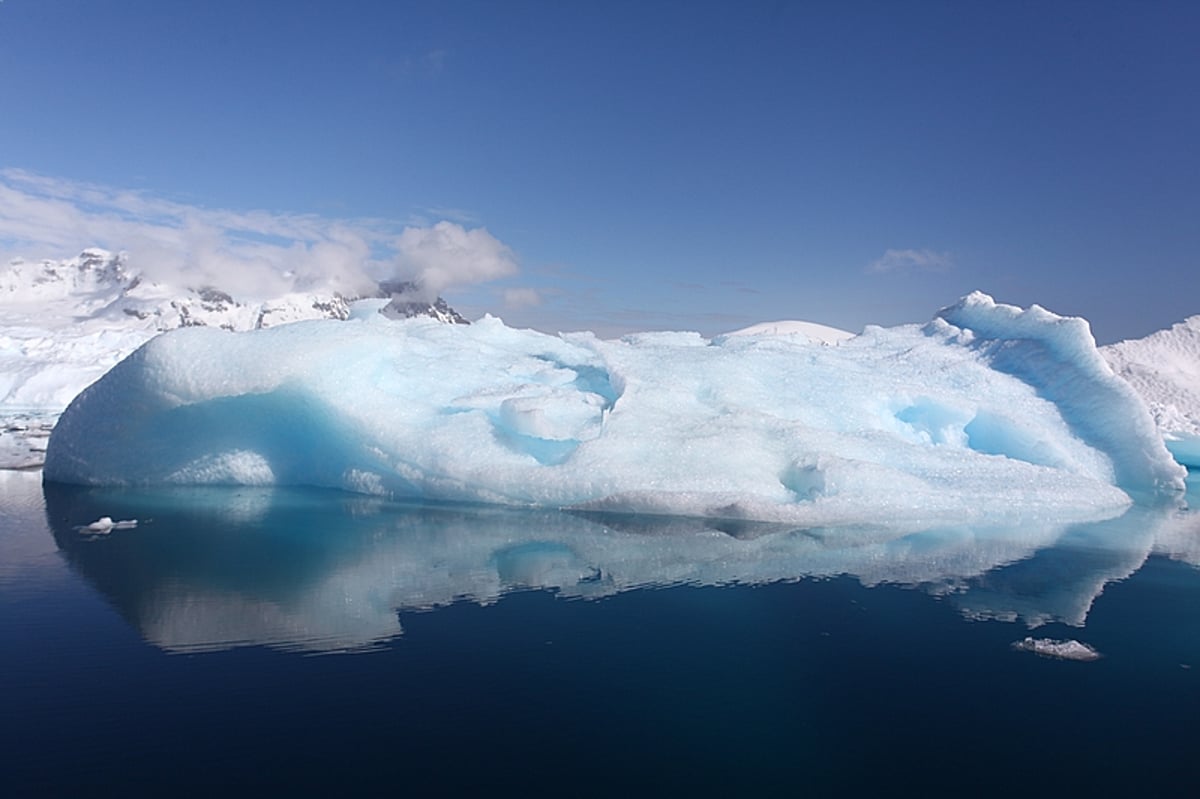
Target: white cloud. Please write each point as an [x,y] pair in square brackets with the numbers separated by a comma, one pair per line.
[255,254]
[521,298]
[447,255]
[912,261]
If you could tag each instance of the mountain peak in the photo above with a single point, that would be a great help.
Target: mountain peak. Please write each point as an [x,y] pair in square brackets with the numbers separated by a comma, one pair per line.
[94,271]
[408,301]
[98,283]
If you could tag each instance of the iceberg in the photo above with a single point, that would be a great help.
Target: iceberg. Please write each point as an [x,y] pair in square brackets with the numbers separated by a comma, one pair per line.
[1164,368]
[1068,649]
[987,411]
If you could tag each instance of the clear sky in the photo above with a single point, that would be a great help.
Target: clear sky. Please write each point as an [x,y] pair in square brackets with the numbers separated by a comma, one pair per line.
[636,165]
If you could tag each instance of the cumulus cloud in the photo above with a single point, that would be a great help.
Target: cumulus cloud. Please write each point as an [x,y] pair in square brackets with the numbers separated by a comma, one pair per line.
[253,254]
[912,261]
[447,255]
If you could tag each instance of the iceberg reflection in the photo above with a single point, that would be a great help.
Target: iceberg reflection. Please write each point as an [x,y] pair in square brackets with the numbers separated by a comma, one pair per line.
[213,568]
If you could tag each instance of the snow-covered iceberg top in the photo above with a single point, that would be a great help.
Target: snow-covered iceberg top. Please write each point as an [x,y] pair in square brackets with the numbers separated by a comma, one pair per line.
[795,327]
[987,410]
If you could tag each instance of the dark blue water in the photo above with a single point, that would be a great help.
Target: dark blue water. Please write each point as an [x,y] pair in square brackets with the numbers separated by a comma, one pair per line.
[250,641]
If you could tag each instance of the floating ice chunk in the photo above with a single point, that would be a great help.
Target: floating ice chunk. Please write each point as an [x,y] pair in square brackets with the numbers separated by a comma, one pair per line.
[102,525]
[23,437]
[105,525]
[1069,649]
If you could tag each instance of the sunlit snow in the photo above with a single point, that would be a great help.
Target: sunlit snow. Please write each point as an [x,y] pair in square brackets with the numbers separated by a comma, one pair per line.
[792,327]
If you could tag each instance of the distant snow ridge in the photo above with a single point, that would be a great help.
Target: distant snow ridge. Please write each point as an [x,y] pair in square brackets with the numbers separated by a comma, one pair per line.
[1164,368]
[65,323]
[97,285]
[809,330]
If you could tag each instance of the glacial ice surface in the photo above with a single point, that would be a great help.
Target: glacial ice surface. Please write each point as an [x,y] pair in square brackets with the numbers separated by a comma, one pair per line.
[987,410]
[1164,368]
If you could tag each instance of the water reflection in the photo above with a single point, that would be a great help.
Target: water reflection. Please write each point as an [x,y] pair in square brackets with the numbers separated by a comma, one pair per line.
[325,571]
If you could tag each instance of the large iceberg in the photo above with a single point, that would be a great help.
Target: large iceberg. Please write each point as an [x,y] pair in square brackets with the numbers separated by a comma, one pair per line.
[989,410]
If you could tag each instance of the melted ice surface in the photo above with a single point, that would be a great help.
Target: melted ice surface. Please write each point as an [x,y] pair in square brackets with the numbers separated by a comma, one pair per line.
[987,410]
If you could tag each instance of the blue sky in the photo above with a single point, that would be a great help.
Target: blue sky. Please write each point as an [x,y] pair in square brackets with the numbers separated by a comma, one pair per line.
[639,165]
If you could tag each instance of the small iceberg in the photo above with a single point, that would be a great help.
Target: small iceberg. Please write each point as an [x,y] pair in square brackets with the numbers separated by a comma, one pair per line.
[105,525]
[1069,649]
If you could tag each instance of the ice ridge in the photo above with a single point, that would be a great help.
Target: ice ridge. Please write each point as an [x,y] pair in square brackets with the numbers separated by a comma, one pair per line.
[1058,356]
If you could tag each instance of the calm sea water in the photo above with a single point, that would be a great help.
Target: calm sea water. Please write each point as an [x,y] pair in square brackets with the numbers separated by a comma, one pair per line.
[247,641]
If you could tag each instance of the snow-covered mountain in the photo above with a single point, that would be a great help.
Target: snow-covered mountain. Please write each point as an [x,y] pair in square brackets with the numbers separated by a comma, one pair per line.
[98,286]
[94,274]
[407,302]
[65,323]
